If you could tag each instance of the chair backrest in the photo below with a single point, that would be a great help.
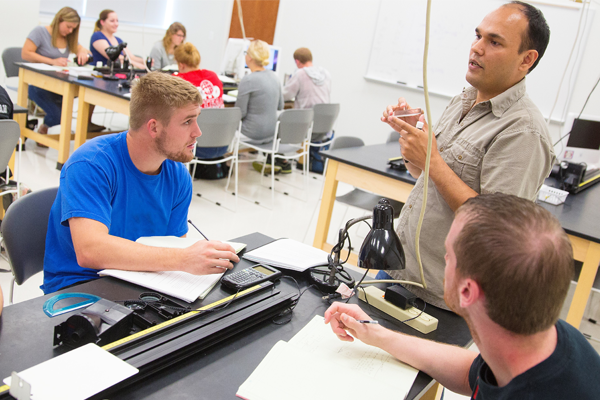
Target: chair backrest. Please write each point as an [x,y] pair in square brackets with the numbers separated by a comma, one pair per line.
[394,137]
[24,230]
[294,125]
[325,116]
[10,56]
[9,139]
[342,142]
[218,126]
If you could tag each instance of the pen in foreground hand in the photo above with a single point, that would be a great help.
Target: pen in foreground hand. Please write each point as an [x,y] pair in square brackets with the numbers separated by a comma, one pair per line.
[192,224]
[366,321]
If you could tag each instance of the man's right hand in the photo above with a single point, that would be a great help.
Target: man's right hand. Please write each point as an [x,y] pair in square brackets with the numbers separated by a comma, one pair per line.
[209,257]
[402,105]
[343,318]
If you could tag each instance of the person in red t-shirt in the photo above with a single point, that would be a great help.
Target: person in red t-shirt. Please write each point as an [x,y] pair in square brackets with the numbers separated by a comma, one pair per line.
[187,57]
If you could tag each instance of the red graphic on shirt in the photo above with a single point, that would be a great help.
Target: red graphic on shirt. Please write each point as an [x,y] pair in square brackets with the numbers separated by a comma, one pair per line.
[211,95]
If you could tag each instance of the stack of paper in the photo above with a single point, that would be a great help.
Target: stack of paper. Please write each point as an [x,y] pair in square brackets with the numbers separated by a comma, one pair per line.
[315,365]
[75,375]
[183,285]
[288,254]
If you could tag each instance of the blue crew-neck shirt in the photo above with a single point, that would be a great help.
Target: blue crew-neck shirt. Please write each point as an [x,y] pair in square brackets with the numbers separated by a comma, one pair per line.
[98,35]
[100,182]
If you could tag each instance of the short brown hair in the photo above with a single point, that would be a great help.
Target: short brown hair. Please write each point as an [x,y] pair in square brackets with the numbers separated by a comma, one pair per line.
[187,54]
[156,95]
[173,29]
[102,17]
[303,55]
[520,256]
[66,14]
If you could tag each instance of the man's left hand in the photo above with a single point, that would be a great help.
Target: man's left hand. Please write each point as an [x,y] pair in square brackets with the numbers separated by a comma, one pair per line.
[413,141]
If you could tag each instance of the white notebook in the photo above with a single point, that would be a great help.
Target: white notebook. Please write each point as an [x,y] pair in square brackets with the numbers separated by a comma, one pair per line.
[288,254]
[315,365]
[182,285]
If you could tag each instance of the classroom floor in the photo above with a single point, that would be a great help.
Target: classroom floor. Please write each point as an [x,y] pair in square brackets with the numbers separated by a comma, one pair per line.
[293,215]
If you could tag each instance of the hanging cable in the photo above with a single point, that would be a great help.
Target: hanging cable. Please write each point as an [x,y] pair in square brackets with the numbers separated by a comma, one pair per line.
[241,17]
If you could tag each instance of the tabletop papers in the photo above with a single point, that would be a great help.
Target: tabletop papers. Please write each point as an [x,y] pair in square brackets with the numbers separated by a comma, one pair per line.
[288,254]
[75,375]
[179,284]
[315,365]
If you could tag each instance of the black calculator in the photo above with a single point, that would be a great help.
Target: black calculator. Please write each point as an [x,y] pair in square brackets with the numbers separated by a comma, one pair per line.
[250,276]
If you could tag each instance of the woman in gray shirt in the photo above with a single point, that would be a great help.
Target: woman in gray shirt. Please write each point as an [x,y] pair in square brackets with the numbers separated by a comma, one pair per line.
[259,95]
[51,45]
[163,51]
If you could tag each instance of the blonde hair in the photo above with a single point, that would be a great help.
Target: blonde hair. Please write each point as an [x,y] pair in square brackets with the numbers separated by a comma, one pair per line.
[187,54]
[103,16]
[66,14]
[173,29]
[259,52]
[303,55]
[156,95]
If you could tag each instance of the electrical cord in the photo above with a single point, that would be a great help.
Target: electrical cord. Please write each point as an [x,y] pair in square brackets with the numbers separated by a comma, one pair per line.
[358,285]
[421,313]
[290,309]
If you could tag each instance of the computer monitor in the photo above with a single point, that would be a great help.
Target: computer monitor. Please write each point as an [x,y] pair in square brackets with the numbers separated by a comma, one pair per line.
[583,141]
[273,58]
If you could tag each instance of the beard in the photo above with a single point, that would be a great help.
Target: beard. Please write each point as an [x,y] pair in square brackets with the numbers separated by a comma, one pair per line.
[182,156]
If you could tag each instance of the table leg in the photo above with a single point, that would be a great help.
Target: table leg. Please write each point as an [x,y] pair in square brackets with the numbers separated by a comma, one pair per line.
[434,393]
[83,114]
[22,97]
[329,191]
[64,141]
[584,285]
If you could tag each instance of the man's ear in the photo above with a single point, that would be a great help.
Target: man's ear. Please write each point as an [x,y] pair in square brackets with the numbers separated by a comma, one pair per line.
[528,58]
[469,292]
[153,127]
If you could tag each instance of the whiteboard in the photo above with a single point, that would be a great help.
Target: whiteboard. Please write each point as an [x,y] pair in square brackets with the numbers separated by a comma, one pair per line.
[397,50]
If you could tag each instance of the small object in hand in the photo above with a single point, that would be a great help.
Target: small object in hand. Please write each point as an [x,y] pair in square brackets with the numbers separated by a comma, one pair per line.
[366,321]
[408,113]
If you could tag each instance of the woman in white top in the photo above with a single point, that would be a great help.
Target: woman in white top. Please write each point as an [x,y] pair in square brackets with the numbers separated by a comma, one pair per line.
[104,36]
[163,51]
[51,45]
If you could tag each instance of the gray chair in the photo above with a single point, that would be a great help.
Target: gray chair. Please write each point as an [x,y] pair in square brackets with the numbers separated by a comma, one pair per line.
[10,138]
[292,133]
[325,116]
[24,233]
[357,197]
[10,56]
[219,127]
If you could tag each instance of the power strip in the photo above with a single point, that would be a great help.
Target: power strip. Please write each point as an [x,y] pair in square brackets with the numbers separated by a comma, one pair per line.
[425,323]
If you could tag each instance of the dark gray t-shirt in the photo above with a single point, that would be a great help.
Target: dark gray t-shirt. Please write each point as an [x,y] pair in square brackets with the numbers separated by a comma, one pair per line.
[43,40]
[259,97]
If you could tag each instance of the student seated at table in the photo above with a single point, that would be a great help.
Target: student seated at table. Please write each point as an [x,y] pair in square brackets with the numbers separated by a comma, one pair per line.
[260,97]
[508,268]
[117,188]
[104,36]
[52,45]
[188,59]
[163,51]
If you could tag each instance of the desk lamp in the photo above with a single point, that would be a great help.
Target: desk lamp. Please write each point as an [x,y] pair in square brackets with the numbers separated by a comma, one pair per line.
[380,250]
[113,53]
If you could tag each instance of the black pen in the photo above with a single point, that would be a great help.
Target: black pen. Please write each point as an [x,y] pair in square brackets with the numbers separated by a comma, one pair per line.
[366,321]
[192,224]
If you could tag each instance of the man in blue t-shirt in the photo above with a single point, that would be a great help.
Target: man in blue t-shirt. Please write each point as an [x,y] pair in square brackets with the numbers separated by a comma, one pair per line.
[118,188]
[509,264]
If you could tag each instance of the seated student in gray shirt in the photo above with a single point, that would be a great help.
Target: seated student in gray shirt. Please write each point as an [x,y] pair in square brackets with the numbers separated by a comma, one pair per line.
[51,45]
[163,51]
[259,95]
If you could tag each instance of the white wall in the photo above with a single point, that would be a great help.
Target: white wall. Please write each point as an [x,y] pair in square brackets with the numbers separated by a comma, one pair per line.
[340,34]
[17,19]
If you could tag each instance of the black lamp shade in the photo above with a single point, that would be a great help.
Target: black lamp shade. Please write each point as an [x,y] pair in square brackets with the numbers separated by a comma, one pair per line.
[113,52]
[381,248]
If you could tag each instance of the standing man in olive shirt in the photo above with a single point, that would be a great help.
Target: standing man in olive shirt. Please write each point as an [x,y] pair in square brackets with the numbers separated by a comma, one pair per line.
[491,138]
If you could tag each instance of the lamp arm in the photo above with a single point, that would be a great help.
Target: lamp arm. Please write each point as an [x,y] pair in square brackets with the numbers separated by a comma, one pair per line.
[393,281]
